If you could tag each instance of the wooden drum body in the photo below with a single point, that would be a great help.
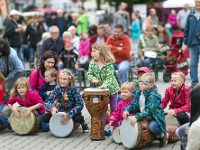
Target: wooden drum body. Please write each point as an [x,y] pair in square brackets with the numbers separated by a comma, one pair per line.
[172,125]
[25,125]
[137,136]
[96,101]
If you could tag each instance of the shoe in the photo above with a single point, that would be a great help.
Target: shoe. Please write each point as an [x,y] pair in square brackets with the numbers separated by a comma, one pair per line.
[164,140]
[107,132]
[85,127]
[192,86]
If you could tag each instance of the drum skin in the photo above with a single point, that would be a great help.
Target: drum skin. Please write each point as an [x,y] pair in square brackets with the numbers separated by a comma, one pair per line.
[139,135]
[24,125]
[116,135]
[96,101]
[57,128]
[171,130]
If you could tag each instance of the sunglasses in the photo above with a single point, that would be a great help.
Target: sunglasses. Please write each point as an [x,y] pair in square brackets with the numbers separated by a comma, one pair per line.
[145,82]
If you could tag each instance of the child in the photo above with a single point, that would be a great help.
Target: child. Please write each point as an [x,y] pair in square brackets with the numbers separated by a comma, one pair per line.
[140,72]
[22,94]
[69,57]
[178,94]
[146,105]
[50,78]
[66,98]
[127,97]
[84,50]
[101,72]
[4,121]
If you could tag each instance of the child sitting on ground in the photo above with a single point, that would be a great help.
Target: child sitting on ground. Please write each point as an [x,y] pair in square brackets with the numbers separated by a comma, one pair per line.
[50,78]
[146,105]
[178,94]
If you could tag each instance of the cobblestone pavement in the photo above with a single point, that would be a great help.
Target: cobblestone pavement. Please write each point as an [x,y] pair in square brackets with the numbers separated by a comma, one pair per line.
[77,140]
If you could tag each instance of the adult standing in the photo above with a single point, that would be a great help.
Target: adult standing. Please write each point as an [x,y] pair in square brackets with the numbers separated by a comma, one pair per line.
[172,20]
[37,79]
[122,17]
[10,65]
[55,43]
[82,22]
[192,41]
[182,16]
[60,22]
[120,45]
[12,33]
[75,38]
[32,35]
[152,19]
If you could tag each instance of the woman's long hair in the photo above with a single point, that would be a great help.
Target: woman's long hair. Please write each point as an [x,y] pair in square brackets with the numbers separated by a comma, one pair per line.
[195,104]
[4,47]
[46,55]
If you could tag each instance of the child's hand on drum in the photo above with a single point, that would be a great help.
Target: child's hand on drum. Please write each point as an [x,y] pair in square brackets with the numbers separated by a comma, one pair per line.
[64,119]
[27,113]
[133,120]
[54,110]
[171,112]
[103,87]
[125,114]
[110,124]
[16,112]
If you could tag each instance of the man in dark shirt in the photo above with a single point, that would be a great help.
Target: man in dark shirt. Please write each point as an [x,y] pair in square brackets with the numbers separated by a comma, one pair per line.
[55,43]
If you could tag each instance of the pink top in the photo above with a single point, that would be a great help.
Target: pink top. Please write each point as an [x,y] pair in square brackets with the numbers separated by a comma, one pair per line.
[84,48]
[117,113]
[172,20]
[32,98]
[1,93]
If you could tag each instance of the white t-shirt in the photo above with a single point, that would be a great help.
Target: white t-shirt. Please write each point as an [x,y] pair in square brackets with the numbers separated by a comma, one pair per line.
[182,17]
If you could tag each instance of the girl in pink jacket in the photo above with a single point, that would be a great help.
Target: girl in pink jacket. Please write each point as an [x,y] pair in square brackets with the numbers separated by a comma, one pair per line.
[127,97]
[178,94]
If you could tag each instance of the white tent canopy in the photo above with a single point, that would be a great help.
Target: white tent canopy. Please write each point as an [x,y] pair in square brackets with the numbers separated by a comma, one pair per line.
[177,3]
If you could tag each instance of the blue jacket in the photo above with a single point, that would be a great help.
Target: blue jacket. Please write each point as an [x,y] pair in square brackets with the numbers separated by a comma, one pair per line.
[46,87]
[56,47]
[135,29]
[152,107]
[72,106]
[191,29]
[15,64]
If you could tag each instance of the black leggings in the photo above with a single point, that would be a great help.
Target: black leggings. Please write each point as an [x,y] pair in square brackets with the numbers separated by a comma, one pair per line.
[78,118]
[183,118]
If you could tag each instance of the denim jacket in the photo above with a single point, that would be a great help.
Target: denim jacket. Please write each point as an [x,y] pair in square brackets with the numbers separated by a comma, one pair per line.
[15,64]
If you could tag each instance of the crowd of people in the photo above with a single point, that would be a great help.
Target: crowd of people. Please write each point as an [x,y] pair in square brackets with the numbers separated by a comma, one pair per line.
[68,45]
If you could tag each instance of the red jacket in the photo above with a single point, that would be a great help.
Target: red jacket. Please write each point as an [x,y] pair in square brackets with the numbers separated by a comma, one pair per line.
[124,43]
[181,103]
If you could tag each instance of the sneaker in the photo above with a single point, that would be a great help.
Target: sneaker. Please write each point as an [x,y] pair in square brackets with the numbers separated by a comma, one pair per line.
[164,140]
[85,127]
[107,132]
[192,86]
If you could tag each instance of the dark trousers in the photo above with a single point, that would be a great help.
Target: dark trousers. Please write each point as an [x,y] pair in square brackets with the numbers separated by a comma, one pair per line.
[78,118]
[183,118]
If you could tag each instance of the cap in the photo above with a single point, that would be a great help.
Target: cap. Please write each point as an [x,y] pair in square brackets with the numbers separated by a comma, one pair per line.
[14,12]
[144,69]
[67,42]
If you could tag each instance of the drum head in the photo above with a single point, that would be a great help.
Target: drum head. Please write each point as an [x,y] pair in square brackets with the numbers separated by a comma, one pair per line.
[171,120]
[22,125]
[57,128]
[96,91]
[128,133]
[116,135]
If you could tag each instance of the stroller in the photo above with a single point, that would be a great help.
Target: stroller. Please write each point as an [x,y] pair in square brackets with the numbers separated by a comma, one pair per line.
[176,58]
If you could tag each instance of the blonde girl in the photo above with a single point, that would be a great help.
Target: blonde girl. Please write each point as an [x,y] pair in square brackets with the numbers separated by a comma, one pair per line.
[66,98]
[101,72]
[22,94]
[3,119]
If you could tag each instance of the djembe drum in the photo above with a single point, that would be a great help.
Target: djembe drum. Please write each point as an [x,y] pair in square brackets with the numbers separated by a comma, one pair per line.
[24,125]
[96,101]
[136,136]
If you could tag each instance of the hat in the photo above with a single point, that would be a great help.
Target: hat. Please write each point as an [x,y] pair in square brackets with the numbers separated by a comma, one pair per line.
[67,42]
[144,69]
[14,12]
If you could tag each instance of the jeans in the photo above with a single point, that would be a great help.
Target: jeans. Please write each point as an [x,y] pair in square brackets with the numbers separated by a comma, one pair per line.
[19,53]
[25,51]
[32,50]
[146,62]
[194,60]
[123,68]
[3,119]
[155,129]
[44,126]
[182,135]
